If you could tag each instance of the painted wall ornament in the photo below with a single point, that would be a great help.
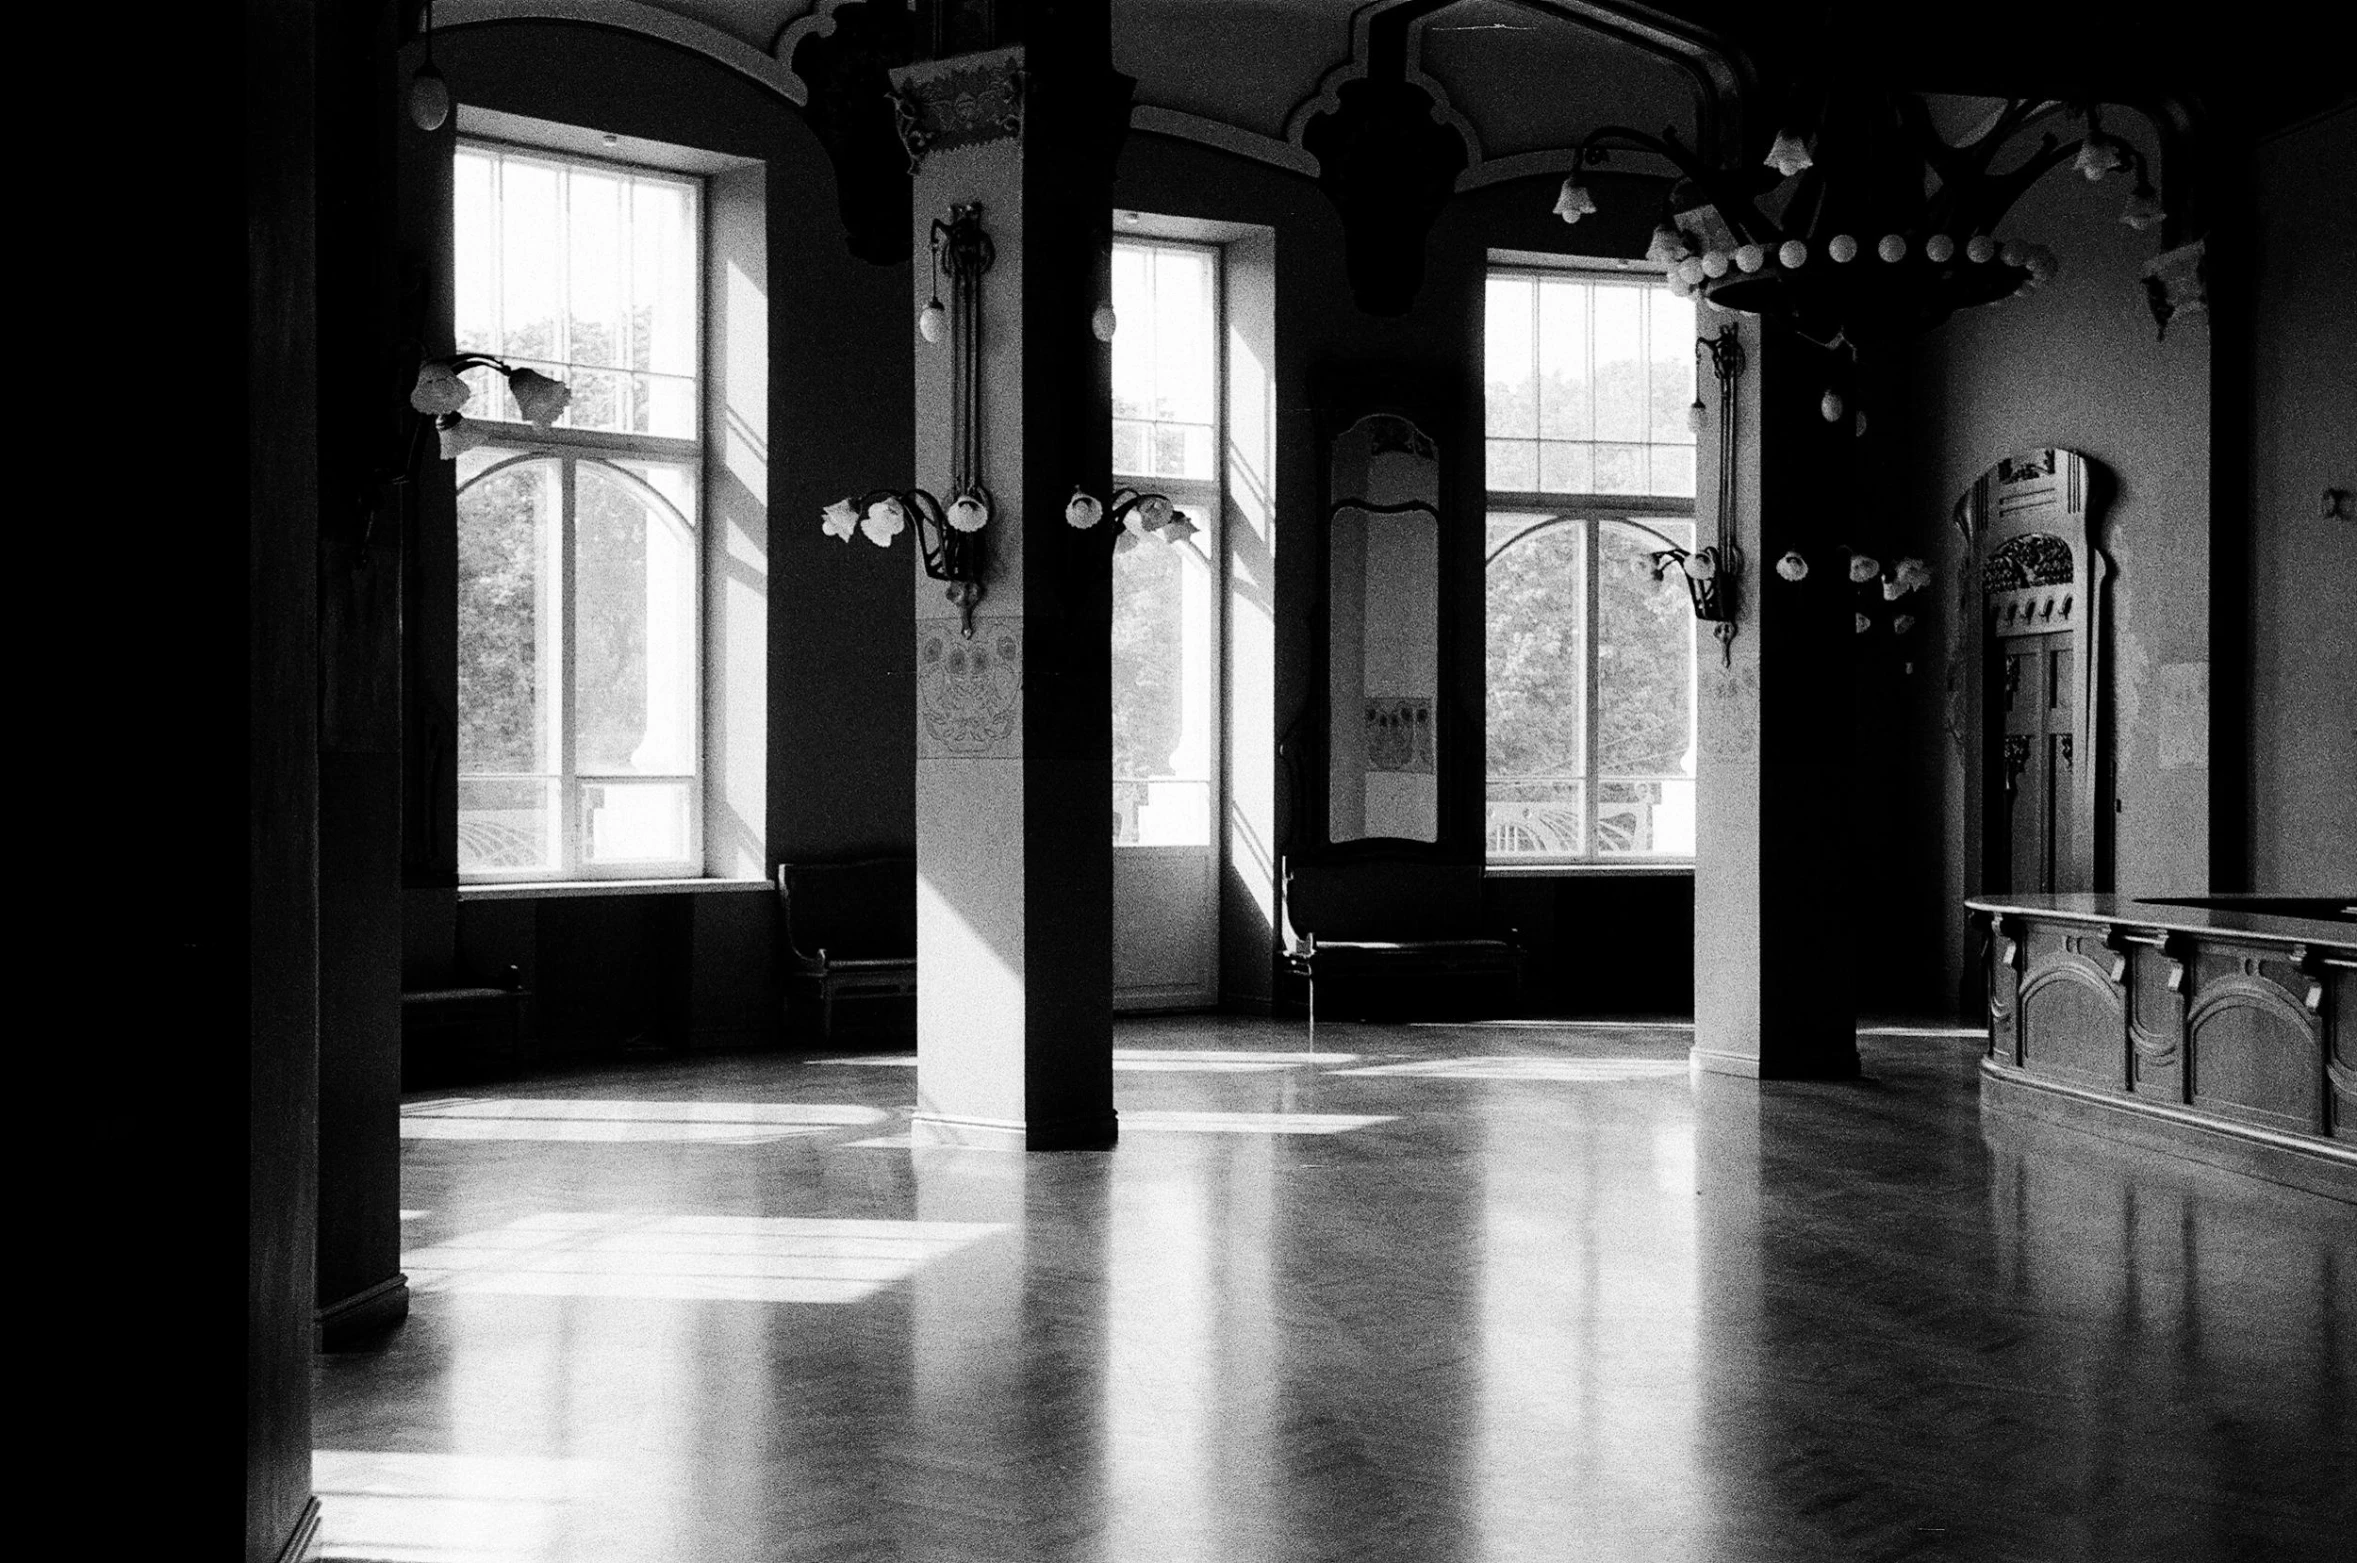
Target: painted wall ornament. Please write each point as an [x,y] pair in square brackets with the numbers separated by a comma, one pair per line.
[970,692]
[966,101]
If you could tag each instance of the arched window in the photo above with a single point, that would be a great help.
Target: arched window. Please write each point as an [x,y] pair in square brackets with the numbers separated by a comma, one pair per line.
[580,563]
[1591,663]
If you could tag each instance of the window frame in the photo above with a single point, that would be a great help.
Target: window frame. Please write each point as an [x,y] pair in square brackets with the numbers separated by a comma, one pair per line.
[1587,512]
[1206,499]
[520,443]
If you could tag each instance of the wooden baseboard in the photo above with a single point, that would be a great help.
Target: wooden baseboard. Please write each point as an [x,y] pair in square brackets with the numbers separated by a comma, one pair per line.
[303,1543]
[1710,1061]
[2316,1166]
[359,1318]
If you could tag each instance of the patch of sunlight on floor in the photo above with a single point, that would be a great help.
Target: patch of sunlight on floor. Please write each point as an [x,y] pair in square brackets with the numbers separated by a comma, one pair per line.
[1576,1070]
[386,1507]
[797,1259]
[1145,1122]
[611,1119]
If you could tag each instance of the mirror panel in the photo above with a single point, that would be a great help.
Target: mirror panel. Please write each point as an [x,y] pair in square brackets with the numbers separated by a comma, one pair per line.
[1383,633]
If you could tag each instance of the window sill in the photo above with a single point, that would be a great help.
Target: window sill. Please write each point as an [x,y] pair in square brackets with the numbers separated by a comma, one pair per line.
[554,889]
[1676,870]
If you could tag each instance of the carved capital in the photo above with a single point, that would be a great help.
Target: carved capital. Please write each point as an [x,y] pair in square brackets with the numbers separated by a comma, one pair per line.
[964,101]
[1389,167]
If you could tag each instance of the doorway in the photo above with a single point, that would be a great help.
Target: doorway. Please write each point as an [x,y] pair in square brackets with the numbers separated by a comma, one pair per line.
[1168,633]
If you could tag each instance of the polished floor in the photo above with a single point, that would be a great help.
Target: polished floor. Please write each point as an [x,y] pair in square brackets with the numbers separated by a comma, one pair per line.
[1428,1293]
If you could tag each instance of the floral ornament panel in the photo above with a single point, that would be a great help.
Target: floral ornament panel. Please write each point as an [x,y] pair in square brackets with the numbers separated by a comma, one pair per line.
[2036,559]
[970,692]
[1399,733]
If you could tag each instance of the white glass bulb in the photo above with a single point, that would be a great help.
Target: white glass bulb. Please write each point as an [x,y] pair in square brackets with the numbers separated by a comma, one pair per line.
[1715,263]
[1893,248]
[1750,258]
[1791,254]
[1939,249]
[1843,248]
[1980,249]
[1831,406]
[429,99]
[932,321]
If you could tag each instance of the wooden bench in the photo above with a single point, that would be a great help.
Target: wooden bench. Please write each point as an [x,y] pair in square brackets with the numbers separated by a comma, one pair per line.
[1335,939]
[427,1014]
[850,931]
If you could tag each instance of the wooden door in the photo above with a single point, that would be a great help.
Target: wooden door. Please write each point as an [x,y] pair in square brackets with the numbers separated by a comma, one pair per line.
[2037,782]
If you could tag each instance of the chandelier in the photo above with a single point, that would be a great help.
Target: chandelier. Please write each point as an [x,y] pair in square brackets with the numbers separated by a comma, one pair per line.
[1865,226]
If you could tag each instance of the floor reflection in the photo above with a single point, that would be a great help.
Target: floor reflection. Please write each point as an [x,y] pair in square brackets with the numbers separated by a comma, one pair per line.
[1547,1297]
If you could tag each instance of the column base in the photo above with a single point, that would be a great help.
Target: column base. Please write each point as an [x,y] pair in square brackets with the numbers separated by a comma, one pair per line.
[1095,1132]
[352,1320]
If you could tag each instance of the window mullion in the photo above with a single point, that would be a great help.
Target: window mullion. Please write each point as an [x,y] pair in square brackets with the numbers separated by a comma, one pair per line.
[575,849]
[1588,723]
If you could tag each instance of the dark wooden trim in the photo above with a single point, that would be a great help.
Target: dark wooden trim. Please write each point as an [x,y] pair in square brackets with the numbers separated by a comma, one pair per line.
[304,1542]
[2317,1166]
[357,1319]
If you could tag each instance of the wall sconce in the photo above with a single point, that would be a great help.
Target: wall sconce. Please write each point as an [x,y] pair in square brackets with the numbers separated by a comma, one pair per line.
[1711,572]
[429,94]
[949,536]
[440,393]
[1136,515]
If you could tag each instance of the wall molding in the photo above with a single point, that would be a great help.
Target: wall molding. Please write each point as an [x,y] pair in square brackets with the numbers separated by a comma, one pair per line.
[629,17]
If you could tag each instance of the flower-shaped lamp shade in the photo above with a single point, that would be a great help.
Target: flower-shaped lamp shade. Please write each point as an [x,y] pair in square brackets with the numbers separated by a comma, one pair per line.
[1575,201]
[968,513]
[885,520]
[457,436]
[439,388]
[1083,511]
[1912,575]
[1178,528]
[1864,568]
[1154,512]
[839,519]
[1789,155]
[2100,155]
[1792,566]
[540,399]
[1700,566]
[1902,624]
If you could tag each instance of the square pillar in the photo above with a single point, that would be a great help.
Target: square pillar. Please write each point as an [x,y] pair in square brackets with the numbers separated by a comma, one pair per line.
[1014,719]
[1774,896]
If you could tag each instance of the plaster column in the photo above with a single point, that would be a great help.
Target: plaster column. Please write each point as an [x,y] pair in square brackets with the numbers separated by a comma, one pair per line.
[1014,726]
[1774,897]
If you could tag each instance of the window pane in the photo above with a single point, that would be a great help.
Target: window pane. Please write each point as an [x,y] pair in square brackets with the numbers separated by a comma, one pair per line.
[634,636]
[1566,405]
[1514,465]
[1537,685]
[508,627]
[1672,333]
[1509,360]
[636,822]
[1600,369]
[506,824]
[1566,468]
[1620,363]
[1645,819]
[1644,656]
[1537,817]
[586,273]
[531,262]
[1672,471]
[1165,360]
[1163,665]
[1620,469]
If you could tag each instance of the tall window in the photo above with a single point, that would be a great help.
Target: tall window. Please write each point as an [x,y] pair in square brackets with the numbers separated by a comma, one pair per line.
[579,547]
[1165,609]
[1591,666]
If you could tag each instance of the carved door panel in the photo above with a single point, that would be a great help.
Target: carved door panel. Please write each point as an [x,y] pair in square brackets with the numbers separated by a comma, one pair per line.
[2037,717]
[2038,638]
